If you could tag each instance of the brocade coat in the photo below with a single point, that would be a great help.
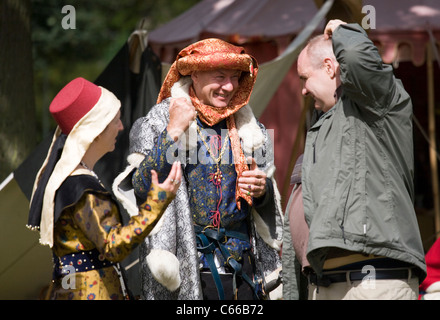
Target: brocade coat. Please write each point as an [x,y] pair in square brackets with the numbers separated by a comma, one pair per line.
[169,258]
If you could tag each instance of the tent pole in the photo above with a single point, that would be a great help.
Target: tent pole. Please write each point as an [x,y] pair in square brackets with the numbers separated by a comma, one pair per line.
[6,181]
[433,147]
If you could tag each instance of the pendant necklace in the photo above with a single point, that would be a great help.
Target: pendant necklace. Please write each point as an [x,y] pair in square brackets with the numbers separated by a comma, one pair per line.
[91,171]
[215,178]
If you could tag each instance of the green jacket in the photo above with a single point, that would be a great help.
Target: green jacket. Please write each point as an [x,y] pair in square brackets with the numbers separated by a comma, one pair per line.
[357,173]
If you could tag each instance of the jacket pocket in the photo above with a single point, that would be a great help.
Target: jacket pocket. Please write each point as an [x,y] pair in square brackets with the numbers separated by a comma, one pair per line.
[351,218]
[344,207]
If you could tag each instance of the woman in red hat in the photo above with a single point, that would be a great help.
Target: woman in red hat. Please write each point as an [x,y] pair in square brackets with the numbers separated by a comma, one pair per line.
[76,216]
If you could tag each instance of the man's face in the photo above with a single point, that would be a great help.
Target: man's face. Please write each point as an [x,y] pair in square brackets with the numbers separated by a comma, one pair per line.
[317,83]
[216,88]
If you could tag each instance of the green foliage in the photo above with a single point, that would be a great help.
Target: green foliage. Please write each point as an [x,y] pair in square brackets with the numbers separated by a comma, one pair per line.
[102,27]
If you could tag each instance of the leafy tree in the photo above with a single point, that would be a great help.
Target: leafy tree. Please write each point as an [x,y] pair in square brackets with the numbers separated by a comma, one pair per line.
[17,129]
[102,27]
[38,56]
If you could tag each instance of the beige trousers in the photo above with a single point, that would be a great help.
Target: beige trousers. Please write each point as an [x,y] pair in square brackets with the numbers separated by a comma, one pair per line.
[401,289]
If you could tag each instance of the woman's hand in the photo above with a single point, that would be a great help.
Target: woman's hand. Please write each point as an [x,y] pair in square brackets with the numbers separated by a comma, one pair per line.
[172,182]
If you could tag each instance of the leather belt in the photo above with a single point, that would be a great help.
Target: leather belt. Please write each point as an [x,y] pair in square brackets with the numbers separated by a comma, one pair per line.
[380,274]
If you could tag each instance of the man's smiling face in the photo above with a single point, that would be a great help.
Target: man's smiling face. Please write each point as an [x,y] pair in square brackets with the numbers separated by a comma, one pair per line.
[216,88]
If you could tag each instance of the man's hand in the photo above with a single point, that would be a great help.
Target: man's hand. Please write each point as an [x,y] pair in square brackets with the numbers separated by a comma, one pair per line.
[253,181]
[182,113]
[331,27]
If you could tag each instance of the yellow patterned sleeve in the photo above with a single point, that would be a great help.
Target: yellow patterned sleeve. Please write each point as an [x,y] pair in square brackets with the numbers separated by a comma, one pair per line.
[98,218]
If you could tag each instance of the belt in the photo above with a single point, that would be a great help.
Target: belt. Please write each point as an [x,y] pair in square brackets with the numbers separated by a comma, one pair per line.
[379,274]
[80,261]
[207,240]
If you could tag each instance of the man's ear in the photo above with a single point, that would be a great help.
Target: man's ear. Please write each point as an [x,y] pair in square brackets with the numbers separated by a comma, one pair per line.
[194,76]
[330,67]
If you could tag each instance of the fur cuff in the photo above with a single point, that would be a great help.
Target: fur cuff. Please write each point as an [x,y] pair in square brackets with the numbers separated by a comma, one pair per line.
[434,287]
[126,196]
[164,267]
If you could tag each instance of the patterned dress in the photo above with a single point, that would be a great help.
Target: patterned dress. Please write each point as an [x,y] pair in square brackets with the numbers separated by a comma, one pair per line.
[90,222]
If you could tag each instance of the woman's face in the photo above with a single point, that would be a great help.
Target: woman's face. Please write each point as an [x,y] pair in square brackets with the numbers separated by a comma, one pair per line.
[107,139]
[216,88]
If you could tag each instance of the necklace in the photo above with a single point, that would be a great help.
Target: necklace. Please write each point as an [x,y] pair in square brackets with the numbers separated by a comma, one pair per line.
[215,178]
[91,171]
[216,159]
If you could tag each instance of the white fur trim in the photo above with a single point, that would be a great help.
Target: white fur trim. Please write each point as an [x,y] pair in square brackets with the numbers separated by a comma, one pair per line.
[263,231]
[434,287]
[270,172]
[261,227]
[276,294]
[128,199]
[180,89]
[164,267]
[135,159]
[248,129]
[431,296]
[277,198]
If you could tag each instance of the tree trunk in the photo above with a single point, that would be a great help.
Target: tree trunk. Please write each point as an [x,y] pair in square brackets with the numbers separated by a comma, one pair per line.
[17,105]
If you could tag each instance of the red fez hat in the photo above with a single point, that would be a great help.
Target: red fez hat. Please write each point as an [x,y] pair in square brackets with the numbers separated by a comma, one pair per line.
[73,102]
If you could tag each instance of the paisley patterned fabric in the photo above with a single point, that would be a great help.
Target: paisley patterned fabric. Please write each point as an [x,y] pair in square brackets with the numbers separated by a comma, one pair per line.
[94,222]
[239,159]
